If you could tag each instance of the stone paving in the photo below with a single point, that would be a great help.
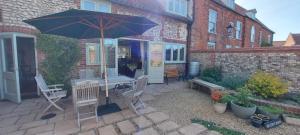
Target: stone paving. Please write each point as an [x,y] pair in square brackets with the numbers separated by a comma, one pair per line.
[24,119]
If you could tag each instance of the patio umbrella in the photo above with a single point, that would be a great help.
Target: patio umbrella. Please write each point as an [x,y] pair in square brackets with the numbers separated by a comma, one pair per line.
[82,24]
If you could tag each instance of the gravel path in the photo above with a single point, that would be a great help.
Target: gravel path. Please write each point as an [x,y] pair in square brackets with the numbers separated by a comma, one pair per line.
[183,104]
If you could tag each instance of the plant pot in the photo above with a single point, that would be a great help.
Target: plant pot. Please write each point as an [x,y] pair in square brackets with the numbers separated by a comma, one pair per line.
[272,116]
[291,120]
[256,121]
[220,107]
[242,112]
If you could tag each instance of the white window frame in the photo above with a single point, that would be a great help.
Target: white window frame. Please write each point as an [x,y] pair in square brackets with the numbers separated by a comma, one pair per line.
[173,46]
[212,19]
[182,7]
[211,45]
[239,28]
[252,34]
[97,52]
[98,4]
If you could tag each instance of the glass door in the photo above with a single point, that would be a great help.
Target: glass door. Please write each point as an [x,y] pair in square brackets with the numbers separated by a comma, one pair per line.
[10,68]
[156,62]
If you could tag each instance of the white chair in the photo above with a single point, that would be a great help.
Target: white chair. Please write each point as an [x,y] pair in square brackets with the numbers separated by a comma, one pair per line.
[53,93]
[86,74]
[133,97]
[85,94]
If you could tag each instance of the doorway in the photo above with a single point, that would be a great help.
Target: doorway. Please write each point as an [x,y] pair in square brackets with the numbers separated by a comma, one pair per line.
[132,56]
[27,67]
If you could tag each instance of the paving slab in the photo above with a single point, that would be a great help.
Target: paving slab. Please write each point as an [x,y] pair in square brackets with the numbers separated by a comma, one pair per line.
[113,118]
[20,132]
[213,133]
[91,123]
[192,129]
[126,127]
[167,126]
[8,121]
[147,110]
[148,131]
[158,117]
[107,130]
[142,122]
[91,132]
[26,118]
[8,129]
[173,133]
[40,129]
[66,127]
[33,124]
[128,114]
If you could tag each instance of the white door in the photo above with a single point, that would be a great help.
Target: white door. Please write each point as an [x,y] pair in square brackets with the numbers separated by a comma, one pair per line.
[10,68]
[156,62]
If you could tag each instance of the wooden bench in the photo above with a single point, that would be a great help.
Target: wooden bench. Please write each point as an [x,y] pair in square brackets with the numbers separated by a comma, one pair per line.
[208,85]
[172,73]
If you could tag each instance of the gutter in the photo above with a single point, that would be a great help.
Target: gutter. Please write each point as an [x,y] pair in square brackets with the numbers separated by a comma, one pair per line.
[189,38]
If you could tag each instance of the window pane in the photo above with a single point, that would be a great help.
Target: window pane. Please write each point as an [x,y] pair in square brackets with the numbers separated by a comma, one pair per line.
[181,56]
[103,8]
[177,6]
[92,54]
[175,53]
[110,56]
[8,50]
[168,53]
[212,27]
[87,5]
[171,5]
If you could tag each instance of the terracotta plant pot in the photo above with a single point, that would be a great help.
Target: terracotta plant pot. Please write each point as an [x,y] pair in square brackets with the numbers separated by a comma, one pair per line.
[220,107]
[242,112]
[291,120]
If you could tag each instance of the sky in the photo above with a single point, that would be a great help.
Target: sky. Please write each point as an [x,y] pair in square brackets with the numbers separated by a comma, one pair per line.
[281,16]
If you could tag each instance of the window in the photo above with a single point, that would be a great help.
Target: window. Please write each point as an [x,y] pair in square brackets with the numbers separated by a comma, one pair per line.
[260,38]
[96,5]
[211,45]
[228,46]
[178,7]
[238,33]
[269,39]
[8,55]
[175,53]
[212,21]
[1,19]
[252,37]
[92,54]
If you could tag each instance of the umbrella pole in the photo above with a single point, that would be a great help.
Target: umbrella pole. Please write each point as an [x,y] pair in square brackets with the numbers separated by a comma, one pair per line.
[104,61]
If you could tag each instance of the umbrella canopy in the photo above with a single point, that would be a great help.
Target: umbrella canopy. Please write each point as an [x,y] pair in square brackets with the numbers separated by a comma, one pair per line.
[82,24]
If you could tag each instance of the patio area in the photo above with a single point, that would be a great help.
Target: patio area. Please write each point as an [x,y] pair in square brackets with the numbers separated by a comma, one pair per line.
[24,119]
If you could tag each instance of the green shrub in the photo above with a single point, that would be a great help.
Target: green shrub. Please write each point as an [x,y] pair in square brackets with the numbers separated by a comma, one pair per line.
[61,56]
[213,126]
[234,81]
[213,74]
[267,85]
[242,97]
[226,98]
[271,109]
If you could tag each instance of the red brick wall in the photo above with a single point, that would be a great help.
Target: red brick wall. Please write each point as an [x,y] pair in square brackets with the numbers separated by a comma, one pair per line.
[200,35]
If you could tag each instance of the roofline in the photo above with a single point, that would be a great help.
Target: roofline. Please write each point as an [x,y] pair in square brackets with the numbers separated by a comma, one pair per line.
[174,16]
[243,15]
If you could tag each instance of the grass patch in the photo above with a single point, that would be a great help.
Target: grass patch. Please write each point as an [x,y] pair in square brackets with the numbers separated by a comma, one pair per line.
[213,126]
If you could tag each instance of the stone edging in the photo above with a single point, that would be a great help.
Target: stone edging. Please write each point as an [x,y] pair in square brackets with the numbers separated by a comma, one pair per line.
[286,107]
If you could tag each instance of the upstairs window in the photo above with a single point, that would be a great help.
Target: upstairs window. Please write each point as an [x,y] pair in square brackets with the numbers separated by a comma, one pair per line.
[230,4]
[252,37]
[96,5]
[212,21]
[238,33]
[178,7]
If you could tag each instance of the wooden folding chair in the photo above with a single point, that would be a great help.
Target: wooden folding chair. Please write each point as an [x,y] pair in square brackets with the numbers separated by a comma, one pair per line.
[134,97]
[85,94]
[53,93]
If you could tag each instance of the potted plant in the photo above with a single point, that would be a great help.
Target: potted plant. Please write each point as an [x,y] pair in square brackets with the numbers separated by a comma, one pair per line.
[291,119]
[220,101]
[272,112]
[242,106]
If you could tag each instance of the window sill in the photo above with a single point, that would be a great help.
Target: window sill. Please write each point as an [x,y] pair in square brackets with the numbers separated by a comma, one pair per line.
[174,62]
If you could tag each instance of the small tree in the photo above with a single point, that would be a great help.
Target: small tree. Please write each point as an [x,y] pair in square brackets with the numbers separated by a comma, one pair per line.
[62,54]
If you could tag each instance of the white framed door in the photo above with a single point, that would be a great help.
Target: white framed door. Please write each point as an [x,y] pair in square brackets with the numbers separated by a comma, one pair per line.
[10,68]
[156,62]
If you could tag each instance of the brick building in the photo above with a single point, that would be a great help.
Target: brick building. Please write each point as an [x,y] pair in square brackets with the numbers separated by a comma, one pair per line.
[212,17]
[167,40]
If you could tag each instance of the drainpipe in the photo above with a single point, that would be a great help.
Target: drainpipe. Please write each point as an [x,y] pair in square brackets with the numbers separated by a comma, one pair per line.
[189,37]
